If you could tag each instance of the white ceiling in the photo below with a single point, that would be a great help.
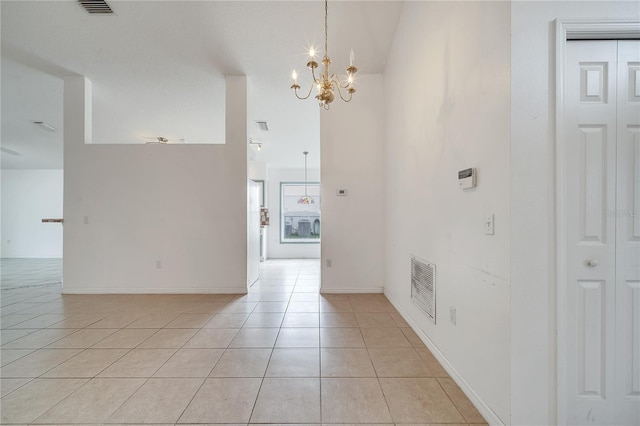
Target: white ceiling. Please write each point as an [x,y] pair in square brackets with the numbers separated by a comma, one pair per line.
[158,67]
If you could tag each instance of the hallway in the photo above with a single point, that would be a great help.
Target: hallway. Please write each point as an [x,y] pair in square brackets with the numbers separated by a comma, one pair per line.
[281,354]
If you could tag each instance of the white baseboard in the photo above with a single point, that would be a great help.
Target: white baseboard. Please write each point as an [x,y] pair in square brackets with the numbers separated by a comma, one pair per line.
[489,415]
[343,290]
[154,290]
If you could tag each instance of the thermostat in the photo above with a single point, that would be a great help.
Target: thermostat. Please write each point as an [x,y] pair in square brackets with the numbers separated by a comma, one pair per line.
[467,178]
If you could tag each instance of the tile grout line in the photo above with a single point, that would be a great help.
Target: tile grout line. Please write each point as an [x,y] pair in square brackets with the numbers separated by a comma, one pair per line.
[204,380]
[255,402]
[451,399]
[375,370]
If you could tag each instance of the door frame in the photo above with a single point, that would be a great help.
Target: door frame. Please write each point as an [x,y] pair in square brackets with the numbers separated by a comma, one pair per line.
[571,29]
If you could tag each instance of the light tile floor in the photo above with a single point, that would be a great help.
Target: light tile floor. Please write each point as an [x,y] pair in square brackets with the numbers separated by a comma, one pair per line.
[283,353]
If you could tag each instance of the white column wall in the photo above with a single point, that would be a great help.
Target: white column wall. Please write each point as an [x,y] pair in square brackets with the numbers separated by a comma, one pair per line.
[351,142]
[447,109]
[28,196]
[154,218]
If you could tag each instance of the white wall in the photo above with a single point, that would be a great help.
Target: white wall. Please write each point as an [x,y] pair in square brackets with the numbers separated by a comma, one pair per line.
[447,109]
[533,251]
[256,170]
[352,136]
[182,205]
[276,249]
[28,196]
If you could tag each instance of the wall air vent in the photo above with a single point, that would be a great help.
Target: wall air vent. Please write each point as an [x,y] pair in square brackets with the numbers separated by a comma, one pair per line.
[423,286]
[96,6]
[262,125]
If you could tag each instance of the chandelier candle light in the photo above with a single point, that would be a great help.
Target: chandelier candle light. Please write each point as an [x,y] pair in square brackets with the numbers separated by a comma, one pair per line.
[326,83]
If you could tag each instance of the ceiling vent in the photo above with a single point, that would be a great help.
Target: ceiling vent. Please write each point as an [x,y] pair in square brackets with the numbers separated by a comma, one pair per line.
[262,125]
[96,6]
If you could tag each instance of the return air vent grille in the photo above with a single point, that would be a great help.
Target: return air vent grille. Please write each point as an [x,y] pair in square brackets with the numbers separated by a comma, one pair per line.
[423,286]
[96,6]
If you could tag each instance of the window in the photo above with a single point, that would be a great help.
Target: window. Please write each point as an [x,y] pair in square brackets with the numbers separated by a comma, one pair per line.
[299,220]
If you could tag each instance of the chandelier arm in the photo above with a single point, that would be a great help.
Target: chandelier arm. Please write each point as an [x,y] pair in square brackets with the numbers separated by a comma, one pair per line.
[340,93]
[308,94]
[313,74]
[336,79]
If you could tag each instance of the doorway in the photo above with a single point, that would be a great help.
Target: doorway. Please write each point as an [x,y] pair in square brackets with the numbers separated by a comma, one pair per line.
[600,227]
[253,232]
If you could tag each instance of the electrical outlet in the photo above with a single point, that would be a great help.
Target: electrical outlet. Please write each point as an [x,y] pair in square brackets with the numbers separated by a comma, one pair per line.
[158,264]
[328,263]
[86,220]
[452,315]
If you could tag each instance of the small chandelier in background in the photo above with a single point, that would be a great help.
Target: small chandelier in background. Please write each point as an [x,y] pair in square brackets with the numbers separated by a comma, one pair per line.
[305,199]
[326,83]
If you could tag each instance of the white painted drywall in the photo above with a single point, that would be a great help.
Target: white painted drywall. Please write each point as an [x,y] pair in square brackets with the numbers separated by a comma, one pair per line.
[28,196]
[184,206]
[276,249]
[447,109]
[352,137]
[256,170]
[533,253]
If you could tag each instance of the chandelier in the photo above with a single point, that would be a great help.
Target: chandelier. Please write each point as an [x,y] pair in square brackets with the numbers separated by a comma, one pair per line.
[305,199]
[327,84]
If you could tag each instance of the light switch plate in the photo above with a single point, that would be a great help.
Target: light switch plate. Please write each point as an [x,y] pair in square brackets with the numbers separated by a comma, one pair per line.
[489,224]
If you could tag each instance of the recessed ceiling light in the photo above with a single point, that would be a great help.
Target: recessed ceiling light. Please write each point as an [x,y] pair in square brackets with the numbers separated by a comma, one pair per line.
[262,125]
[45,126]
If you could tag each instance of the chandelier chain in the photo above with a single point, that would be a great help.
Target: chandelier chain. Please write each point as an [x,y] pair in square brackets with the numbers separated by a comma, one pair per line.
[305,172]
[326,13]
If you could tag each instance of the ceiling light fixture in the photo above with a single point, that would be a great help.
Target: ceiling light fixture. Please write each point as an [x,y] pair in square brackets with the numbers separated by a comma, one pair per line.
[258,145]
[326,83]
[45,126]
[305,199]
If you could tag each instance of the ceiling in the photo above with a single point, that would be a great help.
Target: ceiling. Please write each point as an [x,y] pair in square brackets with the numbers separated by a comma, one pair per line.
[158,68]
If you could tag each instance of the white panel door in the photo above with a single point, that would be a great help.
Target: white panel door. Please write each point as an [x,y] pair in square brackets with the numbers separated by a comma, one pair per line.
[628,235]
[602,247]
[590,100]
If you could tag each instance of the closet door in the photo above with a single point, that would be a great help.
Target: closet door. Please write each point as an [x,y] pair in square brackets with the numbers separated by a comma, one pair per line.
[602,132]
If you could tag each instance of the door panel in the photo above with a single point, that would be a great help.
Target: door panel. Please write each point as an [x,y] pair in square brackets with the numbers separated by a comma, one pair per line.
[591,350]
[592,184]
